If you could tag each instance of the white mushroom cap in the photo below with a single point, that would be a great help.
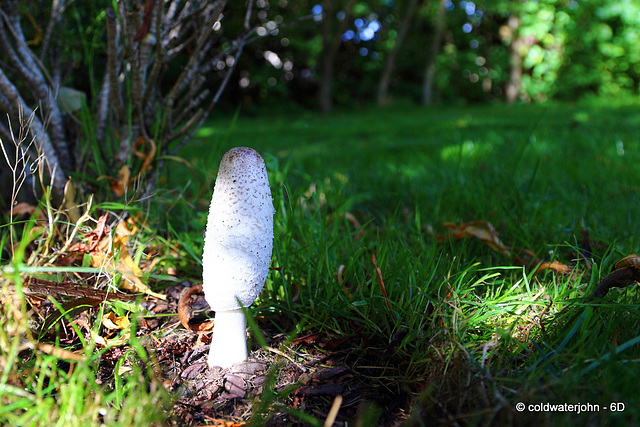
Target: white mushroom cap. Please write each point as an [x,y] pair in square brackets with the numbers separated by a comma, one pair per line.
[239,236]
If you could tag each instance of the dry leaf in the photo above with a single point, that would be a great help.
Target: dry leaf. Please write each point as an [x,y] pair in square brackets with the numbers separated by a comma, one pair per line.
[23,208]
[146,158]
[626,272]
[113,322]
[185,311]
[125,229]
[98,233]
[221,423]
[554,265]
[340,274]
[70,202]
[129,270]
[103,258]
[103,248]
[124,369]
[115,342]
[135,284]
[119,185]
[356,224]
[481,230]
[485,232]
[628,261]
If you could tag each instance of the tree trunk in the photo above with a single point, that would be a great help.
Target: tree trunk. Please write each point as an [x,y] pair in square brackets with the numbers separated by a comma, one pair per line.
[515,79]
[434,50]
[331,40]
[328,60]
[390,61]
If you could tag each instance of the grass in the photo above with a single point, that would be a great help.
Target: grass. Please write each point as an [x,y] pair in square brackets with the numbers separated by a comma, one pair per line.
[465,329]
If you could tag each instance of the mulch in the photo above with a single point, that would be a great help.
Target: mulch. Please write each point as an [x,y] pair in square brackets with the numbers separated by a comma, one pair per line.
[276,384]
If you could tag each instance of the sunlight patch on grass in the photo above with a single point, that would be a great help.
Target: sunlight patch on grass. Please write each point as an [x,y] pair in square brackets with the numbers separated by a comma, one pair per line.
[467,150]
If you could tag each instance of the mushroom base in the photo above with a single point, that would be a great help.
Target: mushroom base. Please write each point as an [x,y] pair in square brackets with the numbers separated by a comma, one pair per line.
[229,339]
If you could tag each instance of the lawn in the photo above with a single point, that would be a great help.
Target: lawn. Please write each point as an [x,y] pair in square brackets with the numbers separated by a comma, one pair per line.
[379,306]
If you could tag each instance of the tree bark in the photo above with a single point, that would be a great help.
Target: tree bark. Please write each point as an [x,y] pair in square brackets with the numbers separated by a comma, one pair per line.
[326,77]
[390,61]
[434,50]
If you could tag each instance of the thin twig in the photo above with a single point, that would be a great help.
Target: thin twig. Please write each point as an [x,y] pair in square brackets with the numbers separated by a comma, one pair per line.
[247,15]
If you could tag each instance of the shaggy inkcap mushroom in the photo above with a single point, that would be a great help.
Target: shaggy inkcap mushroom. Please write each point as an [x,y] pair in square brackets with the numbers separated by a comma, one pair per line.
[237,250]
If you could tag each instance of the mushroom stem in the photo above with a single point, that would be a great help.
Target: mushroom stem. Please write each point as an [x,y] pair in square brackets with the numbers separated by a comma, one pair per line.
[229,339]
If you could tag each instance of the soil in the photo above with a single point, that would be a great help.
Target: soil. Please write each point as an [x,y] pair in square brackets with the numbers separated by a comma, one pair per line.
[278,384]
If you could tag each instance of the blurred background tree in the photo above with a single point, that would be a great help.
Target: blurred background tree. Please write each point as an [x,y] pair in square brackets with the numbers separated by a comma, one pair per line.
[485,50]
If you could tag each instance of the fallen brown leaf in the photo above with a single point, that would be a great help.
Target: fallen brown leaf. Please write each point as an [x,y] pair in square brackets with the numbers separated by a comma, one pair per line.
[481,230]
[120,185]
[307,339]
[113,322]
[554,265]
[23,208]
[185,312]
[627,272]
[629,261]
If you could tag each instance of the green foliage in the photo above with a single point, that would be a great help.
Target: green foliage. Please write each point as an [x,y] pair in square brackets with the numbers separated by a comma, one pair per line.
[569,49]
[602,49]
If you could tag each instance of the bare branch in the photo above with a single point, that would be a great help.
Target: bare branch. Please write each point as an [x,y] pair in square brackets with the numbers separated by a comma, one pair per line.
[247,15]
[194,127]
[112,62]
[57,9]
[102,113]
[192,99]
[36,129]
[137,54]
[197,117]
[152,80]
[4,103]
[36,76]
[237,48]
[16,62]
[171,11]
[214,12]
